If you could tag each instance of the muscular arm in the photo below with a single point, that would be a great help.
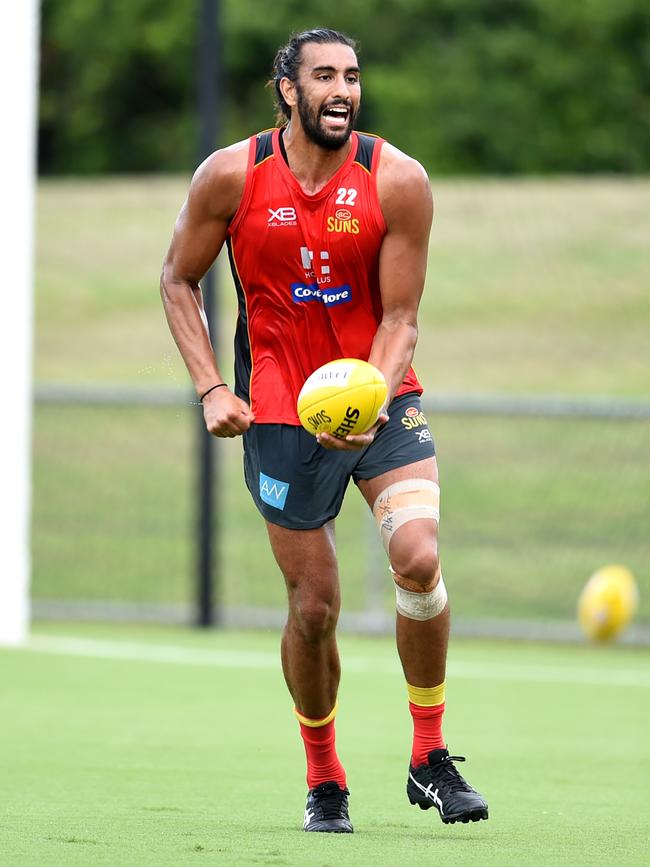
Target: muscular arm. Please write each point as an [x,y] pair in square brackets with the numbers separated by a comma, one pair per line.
[407,206]
[199,234]
[405,196]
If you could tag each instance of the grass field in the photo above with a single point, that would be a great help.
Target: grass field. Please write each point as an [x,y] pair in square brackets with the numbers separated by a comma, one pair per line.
[533,287]
[113,513]
[131,746]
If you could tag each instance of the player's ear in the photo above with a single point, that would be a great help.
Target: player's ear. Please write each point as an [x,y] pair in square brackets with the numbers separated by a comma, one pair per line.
[288,91]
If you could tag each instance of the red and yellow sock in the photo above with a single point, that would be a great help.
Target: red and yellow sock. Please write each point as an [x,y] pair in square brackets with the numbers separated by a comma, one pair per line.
[319,738]
[427,705]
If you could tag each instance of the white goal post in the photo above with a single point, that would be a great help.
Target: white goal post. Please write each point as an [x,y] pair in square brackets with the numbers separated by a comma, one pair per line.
[19,22]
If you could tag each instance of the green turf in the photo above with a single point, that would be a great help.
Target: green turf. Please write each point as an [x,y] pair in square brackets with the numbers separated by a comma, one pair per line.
[133,761]
[530,509]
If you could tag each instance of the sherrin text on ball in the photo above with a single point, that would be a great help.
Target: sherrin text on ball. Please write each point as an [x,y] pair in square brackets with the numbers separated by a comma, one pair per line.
[342,397]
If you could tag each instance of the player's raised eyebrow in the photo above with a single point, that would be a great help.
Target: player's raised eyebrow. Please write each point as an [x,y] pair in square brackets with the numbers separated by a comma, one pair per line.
[333,69]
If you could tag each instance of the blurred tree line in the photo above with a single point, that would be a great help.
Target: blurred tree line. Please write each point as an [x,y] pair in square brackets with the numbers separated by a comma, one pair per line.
[466,86]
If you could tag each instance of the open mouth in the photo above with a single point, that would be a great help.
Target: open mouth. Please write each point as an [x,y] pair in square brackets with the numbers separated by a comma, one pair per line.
[336,115]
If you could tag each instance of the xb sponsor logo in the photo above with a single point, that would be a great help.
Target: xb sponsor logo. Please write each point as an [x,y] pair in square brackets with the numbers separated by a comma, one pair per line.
[273,491]
[282,217]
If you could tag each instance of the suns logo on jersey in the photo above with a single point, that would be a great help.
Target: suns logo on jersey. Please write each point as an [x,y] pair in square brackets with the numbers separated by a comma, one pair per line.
[343,221]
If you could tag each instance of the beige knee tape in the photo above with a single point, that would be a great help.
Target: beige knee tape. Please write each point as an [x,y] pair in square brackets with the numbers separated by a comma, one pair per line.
[420,605]
[414,586]
[404,501]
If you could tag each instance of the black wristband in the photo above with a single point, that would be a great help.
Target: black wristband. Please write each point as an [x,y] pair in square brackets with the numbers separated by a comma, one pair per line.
[218,385]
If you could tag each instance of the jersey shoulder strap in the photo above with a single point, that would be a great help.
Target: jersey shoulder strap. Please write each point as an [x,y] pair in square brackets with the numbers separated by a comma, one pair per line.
[260,148]
[366,149]
[263,146]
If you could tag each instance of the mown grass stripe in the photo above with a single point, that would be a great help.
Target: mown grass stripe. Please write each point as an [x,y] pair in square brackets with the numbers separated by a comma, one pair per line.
[250,659]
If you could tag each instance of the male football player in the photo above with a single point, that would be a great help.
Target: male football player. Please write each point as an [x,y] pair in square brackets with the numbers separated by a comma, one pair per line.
[327,231]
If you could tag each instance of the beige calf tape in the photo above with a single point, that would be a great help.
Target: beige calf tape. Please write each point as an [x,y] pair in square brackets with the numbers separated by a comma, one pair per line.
[421,606]
[404,501]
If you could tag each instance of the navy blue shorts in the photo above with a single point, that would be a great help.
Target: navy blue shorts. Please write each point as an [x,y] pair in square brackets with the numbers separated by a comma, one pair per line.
[299,484]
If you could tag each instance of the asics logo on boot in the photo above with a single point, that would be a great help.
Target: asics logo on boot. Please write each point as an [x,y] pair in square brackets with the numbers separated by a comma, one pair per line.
[429,793]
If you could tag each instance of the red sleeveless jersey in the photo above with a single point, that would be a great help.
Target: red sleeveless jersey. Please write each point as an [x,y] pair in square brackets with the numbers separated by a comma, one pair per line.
[306,273]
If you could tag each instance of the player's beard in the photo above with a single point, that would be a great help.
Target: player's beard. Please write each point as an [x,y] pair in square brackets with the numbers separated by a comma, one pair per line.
[310,120]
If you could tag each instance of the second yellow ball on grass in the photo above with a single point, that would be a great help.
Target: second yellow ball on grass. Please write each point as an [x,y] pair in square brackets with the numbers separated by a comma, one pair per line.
[342,397]
[608,602]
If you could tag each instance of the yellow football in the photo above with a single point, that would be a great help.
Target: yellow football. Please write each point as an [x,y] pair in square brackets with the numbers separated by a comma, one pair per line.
[342,397]
[607,603]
